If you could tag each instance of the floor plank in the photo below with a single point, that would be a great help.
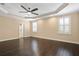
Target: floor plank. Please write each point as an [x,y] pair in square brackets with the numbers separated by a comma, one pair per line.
[32,46]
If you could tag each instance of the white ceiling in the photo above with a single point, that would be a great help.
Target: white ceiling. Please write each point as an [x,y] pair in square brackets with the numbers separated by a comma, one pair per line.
[43,9]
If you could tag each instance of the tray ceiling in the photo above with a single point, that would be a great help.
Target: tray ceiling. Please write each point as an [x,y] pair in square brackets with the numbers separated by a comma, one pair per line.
[43,9]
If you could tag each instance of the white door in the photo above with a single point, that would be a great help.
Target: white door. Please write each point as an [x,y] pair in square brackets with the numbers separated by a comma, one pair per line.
[21,30]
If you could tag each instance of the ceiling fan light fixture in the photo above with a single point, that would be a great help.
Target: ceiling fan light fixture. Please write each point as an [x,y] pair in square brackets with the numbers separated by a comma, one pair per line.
[29,13]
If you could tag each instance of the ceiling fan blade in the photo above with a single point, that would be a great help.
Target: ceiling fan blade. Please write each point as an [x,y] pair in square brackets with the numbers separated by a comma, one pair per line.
[34,9]
[22,12]
[35,13]
[24,7]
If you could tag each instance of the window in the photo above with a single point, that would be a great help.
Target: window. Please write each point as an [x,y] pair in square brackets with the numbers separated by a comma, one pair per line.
[64,25]
[34,26]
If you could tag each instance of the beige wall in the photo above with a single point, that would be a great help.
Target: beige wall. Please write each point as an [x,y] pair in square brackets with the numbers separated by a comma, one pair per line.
[9,28]
[47,28]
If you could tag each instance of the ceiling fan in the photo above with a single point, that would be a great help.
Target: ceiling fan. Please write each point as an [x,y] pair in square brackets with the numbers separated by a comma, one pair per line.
[28,10]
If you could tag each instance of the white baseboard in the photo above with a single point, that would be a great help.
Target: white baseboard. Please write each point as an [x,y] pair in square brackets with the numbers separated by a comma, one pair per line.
[27,36]
[56,39]
[41,37]
[8,39]
[11,39]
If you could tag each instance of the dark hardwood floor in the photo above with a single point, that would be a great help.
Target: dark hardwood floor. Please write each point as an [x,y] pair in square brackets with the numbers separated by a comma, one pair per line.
[37,47]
